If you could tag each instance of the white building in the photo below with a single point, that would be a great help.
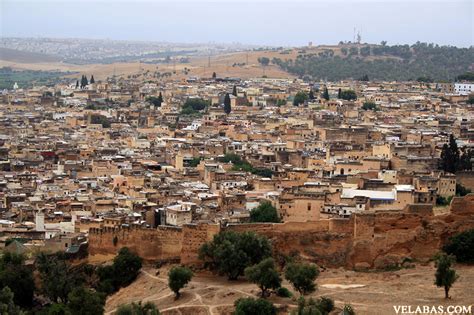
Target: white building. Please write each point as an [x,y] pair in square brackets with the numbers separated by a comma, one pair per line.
[464,88]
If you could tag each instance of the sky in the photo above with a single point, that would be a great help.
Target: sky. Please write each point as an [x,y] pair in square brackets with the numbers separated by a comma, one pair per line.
[259,22]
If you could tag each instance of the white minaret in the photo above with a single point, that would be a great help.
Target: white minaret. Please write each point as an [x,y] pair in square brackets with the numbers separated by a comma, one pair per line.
[39,220]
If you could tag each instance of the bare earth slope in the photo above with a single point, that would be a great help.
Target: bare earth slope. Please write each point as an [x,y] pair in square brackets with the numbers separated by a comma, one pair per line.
[369,293]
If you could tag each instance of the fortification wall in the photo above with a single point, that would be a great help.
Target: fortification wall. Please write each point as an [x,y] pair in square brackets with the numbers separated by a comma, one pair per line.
[367,240]
[194,236]
[163,243]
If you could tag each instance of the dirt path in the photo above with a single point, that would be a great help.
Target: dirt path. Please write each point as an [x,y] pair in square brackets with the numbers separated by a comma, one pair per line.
[368,293]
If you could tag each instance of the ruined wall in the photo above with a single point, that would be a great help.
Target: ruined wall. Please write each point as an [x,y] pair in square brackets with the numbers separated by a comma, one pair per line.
[368,240]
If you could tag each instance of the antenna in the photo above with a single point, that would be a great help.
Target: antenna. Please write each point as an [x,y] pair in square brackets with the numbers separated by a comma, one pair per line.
[209,61]
[354,36]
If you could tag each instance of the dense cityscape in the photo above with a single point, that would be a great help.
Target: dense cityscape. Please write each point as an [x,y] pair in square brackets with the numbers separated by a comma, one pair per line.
[148,177]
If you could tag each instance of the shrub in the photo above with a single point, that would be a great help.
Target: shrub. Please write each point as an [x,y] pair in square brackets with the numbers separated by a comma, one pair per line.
[246,306]
[284,292]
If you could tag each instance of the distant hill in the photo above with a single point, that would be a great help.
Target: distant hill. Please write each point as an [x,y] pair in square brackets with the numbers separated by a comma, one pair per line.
[13,55]
[426,62]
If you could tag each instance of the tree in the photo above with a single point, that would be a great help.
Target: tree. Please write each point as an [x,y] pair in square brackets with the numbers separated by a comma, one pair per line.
[234,91]
[461,190]
[227,107]
[18,278]
[264,61]
[339,93]
[265,212]
[7,305]
[445,276]
[264,275]
[450,156]
[365,77]
[348,95]
[83,301]
[300,98]
[156,101]
[302,276]
[214,75]
[369,106]
[138,309]
[77,84]
[471,99]
[178,277]
[462,246]
[160,98]
[58,279]
[127,266]
[229,252]
[92,81]
[311,95]
[326,94]
[246,306]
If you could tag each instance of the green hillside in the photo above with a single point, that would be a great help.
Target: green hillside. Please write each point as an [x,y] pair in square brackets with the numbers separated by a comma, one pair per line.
[381,62]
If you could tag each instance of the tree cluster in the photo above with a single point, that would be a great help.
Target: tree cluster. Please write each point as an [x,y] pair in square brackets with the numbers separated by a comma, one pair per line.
[265,212]
[397,62]
[194,106]
[462,246]
[240,164]
[121,273]
[348,95]
[300,98]
[453,159]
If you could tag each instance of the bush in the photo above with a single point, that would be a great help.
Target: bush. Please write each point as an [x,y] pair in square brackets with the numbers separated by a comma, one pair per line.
[322,306]
[229,253]
[138,309]
[246,306]
[284,292]
[462,246]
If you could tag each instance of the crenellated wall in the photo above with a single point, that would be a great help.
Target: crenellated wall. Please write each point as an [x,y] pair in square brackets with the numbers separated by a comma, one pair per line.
[367,240]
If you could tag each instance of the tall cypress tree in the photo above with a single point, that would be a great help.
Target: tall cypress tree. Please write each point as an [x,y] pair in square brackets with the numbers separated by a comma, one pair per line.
[450,156]
[77,84]
[227,107]
[160,98]
[339,93]
[234,91]
[92,81]
[326,94]
[311,95]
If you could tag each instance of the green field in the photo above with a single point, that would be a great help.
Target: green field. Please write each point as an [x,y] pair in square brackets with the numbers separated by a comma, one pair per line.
[29,78]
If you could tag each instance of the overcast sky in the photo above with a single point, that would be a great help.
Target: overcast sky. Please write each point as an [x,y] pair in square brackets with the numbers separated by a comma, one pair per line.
[262,22]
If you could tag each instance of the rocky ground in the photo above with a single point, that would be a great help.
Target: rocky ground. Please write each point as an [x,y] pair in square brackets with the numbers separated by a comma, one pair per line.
[368,292]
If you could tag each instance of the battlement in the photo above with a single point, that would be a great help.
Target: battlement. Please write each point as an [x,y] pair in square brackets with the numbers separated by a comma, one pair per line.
[368,239]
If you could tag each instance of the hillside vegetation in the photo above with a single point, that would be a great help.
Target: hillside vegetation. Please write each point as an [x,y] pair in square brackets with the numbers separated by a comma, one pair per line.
[427,62]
